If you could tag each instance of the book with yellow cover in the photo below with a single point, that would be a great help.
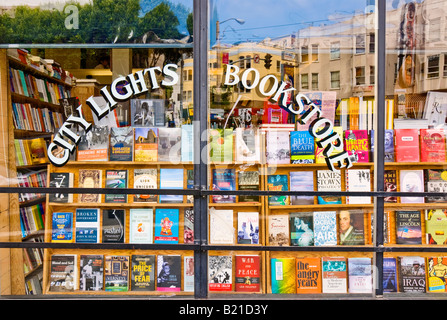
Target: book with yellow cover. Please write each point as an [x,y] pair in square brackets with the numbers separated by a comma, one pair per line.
[283,275]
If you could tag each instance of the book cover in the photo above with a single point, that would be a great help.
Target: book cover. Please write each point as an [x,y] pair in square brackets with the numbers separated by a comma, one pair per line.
[221,145]
[63,273]
[357,144]
[188,274]
[412,274]
[278,182]
[188,225]
[248,227]
[359,275]
[169,144]
[247,181]
[116,179]
[301,181]
[141,225]
[390,181]
[278,230]
[187,143]
[325,228]
[436,226]
[248,273]
[189,185]
[221,226]
[433,148]
[145,179]
[113,225]
[247,145]
[121,144]
[166,225]
[302,147]
[89,178]
[171,179]
[301,229]
[93,144]
[220,273]
[147,112]
[334,275]
[61,180]
[92,272]
[389,145]
[358,180]
[436,181]
[224,180]
[278,147]
[389,275]
[411,181]
[87,225]
[351,227]
[62,227]
[435,109]
[308,275]
[407,145]
[116,273]
[146,144]
[328,180]
[319,156]
[283,273]
[37,150]
[142,277]
[436,274]
[408,227]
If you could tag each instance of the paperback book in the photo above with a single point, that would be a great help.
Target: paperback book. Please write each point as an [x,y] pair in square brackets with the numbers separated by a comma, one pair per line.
[166,225]
[188,225]
[351,227]
[437,275]
[121,144]
[308,275]
[278,230]
[408,227]
[92,272]
[142,273]
[411,181]
[113,225]
[278,182]
[360,275]
[325,228]
[247,145]
[436,226]
[116,274]
[221,145]
[220,273]
[283,273]
[141,225]
[248,181]
[407,145]
[388,145]
[301,181]
[328,180]
[248,273]
[169,144]
[412,274]
[147,112]
[389,275]
[93,144]
[278,147]
[357,144]
[433,147]
[171,179]
[90,178]
[61,180]
[436,181]
[87,225]
[145,179]
[334,275]
[116,179]
[224,180]
[221,226]
[302,147]
[390,181]
[301,229]
[248,227]
[358,180]
[188,273]
[62,227]
[63,273]
[187,143]
[146,144]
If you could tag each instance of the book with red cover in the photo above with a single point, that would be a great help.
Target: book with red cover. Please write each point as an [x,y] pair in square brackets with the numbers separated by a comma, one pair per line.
[357,141]
[407,145]
[247,273]
[432,145]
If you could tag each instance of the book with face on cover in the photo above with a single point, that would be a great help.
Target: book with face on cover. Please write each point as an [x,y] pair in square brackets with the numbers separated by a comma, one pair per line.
[412,274]
[92,272]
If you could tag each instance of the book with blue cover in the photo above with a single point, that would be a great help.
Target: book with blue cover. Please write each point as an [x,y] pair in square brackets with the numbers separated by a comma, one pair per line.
[389,275]
[325,228]
[87,225]
[116,179]
[121,144]
[62,227]
[301,181]
[166,226]
[224,180]
[278,182]
[171,179]
[302,147]
[187,143]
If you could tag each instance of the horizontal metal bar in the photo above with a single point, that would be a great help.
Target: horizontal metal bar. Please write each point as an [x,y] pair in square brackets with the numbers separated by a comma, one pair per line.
[100,246]
[98,45]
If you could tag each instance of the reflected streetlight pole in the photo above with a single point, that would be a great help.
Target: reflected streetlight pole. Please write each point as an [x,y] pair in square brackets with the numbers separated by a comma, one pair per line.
[218,23]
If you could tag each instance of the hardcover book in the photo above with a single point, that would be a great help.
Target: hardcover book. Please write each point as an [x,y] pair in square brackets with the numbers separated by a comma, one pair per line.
[116,179]
[437,275]
[301,181]
[92,272]
[278,182]
[436,181]
[389,275]
[121,144]
[389,145]
[278,147]
[145,179]
[248,180]
[328,180]
[433,148]
[351,227]
[436,226]
[302,147]
[142,277]
[113,227]
[411,181]
[220,273]
[87,225]
[283,275]
[390,180]
[412,274]
[171,179]
[62,230]
[169,144]
[221,145]
[141,225]
[407,145]
[301,229]
[146,144]
[116,273]
[360,275]
[169,277]
[325,228]
[188,273]
[188,225]
[278,229]
[94,144]
[166,225]
[224,180]
[334,275]
[357,144]
[90,178]
[247,145]
[63,273]
[308,275]
[248,227]
[187,143]
[221,226]
[358,180]
[61,180]
[408,227]
[248,273]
